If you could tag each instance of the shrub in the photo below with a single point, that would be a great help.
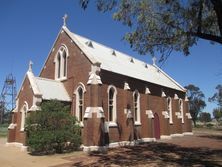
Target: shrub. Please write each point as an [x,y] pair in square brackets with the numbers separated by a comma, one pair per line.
[52,129]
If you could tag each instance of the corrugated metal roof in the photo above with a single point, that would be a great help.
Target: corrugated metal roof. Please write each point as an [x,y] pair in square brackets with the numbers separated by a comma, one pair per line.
[120,63]
[51,89]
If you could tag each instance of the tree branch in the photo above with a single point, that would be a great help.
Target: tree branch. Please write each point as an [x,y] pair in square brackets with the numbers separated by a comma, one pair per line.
[207,37]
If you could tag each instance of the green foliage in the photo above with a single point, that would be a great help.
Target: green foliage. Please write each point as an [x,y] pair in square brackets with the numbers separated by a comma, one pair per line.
[3,130]
[217,97]
[52,129]
[217,113]
[205,117]
[196,101]
[209,125]
[165,25]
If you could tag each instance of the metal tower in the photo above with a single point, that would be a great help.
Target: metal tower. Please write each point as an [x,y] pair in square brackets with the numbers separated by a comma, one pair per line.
[7,98]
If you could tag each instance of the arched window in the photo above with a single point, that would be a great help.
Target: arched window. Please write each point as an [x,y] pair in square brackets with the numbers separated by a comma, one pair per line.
[80,90]
[169,109]
[80,104]
[136,104]
[65,64]
[23,115]
[61,63]
[112,92]
[181,109]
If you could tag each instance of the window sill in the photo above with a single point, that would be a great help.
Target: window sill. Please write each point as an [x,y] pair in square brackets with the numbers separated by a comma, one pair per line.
[137,123]
[112,124]
[61,79]
[80,124]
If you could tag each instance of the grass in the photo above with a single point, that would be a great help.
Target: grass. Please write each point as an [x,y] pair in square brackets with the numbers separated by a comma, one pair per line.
[3,130]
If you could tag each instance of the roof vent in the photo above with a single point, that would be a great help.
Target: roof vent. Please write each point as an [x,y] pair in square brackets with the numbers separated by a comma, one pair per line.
[145,65]
[89,44]
[113,52]
[131,60]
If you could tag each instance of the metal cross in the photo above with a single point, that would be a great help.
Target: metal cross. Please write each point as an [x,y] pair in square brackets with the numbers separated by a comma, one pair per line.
[65,17]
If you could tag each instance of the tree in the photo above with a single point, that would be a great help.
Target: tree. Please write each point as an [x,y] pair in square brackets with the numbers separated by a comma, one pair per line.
[217,97]
[165,25]
[196,101]
[205,117]
[52,129]
[217,113]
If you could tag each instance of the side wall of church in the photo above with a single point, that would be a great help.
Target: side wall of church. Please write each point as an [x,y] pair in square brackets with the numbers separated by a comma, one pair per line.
[152,101]
[25,95]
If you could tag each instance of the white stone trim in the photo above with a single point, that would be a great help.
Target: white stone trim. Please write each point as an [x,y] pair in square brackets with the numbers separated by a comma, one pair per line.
[94,148]
[177,135]
[148,139]
[147,90]
[165,137]
[170,110]
[33,84]
[16,144]
[149,113]
[112,124]
[181,110]
[126,86]
[94,79]
[176,96]
[188,116]
[165,114]
[12,126]
[178,114]
[163,94]
[90,110]
[187,133]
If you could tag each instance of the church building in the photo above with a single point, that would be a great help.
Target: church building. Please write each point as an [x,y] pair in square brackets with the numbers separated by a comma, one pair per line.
[116,98]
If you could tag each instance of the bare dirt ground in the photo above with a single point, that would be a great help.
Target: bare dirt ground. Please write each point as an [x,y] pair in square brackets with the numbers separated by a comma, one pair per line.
[204,148]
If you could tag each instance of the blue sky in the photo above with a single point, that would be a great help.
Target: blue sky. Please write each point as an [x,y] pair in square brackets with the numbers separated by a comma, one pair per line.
[29,28]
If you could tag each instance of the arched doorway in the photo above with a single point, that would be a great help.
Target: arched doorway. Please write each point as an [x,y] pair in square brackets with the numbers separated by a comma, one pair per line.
[156,126]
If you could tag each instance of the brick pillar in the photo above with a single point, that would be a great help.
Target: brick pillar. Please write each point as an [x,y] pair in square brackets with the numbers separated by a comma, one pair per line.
[93,132]
[128,128]
[187,118]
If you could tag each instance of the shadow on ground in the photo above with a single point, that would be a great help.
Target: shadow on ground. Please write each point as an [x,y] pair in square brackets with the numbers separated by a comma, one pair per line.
[151,154]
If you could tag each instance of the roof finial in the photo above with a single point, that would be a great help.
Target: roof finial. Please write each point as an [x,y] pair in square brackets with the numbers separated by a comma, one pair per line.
[30,66]
[65,17]
[154,60]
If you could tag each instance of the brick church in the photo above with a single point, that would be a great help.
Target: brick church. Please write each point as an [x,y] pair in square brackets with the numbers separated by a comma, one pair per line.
[116,98]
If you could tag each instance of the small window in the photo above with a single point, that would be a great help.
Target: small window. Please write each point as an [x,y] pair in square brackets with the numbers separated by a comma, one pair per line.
[136,103]
[169,109]
[23,116]
[181,109]
[80,104]
[112,92]
[65,64]
[59,65]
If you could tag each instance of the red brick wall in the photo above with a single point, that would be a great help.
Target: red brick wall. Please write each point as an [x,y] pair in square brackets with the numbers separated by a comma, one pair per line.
[153,102]
[25,94]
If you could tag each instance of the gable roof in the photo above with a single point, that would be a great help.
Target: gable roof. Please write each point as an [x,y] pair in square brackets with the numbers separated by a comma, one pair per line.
[120,63]
[48,89]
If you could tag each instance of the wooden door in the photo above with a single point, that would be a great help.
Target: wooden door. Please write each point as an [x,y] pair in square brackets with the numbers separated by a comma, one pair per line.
[156,126]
